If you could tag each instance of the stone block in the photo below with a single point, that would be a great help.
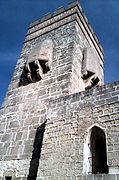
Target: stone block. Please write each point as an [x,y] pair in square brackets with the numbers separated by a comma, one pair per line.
[89,177]
[80,178]
[18,136]
[2,127]
[6,137]
[98,177]
[109,177]
[28,149]
[14,124]
[32,134]
[62,77]
[112,99]
[14,150]
[40,178]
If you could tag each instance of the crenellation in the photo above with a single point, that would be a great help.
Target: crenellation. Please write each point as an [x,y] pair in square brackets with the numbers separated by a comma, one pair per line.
[59,10]
[85,21]
[51,21]
[46,17]
[74,3]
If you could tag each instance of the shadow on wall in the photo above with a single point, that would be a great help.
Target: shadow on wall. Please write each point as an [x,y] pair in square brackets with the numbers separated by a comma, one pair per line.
[34,164]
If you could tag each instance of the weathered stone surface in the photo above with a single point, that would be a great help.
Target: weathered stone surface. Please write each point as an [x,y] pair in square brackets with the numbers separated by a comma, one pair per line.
[59,101]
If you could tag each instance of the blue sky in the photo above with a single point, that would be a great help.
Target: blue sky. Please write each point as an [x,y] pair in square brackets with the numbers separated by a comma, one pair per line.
[15,17]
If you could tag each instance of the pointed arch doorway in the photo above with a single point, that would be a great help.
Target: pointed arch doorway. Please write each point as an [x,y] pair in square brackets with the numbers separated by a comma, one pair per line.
[95,152]
[98,151]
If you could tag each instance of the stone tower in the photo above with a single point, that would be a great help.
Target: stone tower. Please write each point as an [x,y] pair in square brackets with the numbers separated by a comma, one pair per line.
[58,120]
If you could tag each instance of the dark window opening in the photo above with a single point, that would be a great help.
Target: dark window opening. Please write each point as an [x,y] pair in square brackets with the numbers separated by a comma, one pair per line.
[8,177]
[33,68]
[23,79]
[88,75]
[98,150]
[33,76]
[34,164]
[93,82]
[44,65]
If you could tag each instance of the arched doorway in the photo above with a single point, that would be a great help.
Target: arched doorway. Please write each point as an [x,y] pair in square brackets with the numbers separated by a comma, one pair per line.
[98,151]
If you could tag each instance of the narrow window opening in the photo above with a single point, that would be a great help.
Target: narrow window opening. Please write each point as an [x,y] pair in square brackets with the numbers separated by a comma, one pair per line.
[34,164]
[91,81]
[95,81]
[88,75]
[44,65]
[34,73]
[89,71]
[8,177]
[33,68]
[98,150]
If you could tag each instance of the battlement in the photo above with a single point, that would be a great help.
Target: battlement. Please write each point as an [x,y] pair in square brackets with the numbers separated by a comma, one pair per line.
[58,11]
[63,16]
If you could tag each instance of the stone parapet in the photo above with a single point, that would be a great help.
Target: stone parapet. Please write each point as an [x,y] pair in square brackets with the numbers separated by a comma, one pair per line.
[101,94]
[59,18]
[68,121]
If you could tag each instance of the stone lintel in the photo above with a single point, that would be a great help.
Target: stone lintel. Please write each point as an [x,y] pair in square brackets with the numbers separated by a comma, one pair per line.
[61,17]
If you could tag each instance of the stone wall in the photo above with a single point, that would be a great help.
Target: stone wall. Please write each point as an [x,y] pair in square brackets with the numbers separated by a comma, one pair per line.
[24,108]
[68,121]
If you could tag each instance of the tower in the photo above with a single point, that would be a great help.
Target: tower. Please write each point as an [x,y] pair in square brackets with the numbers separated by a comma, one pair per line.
[57,117]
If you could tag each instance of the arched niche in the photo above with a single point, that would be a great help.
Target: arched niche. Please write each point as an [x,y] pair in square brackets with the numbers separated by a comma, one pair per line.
[39,61]
[91,68]
[95,152]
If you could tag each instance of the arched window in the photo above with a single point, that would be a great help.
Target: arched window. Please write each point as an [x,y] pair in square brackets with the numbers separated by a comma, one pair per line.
[38,63]
[95,154]
[98,151]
